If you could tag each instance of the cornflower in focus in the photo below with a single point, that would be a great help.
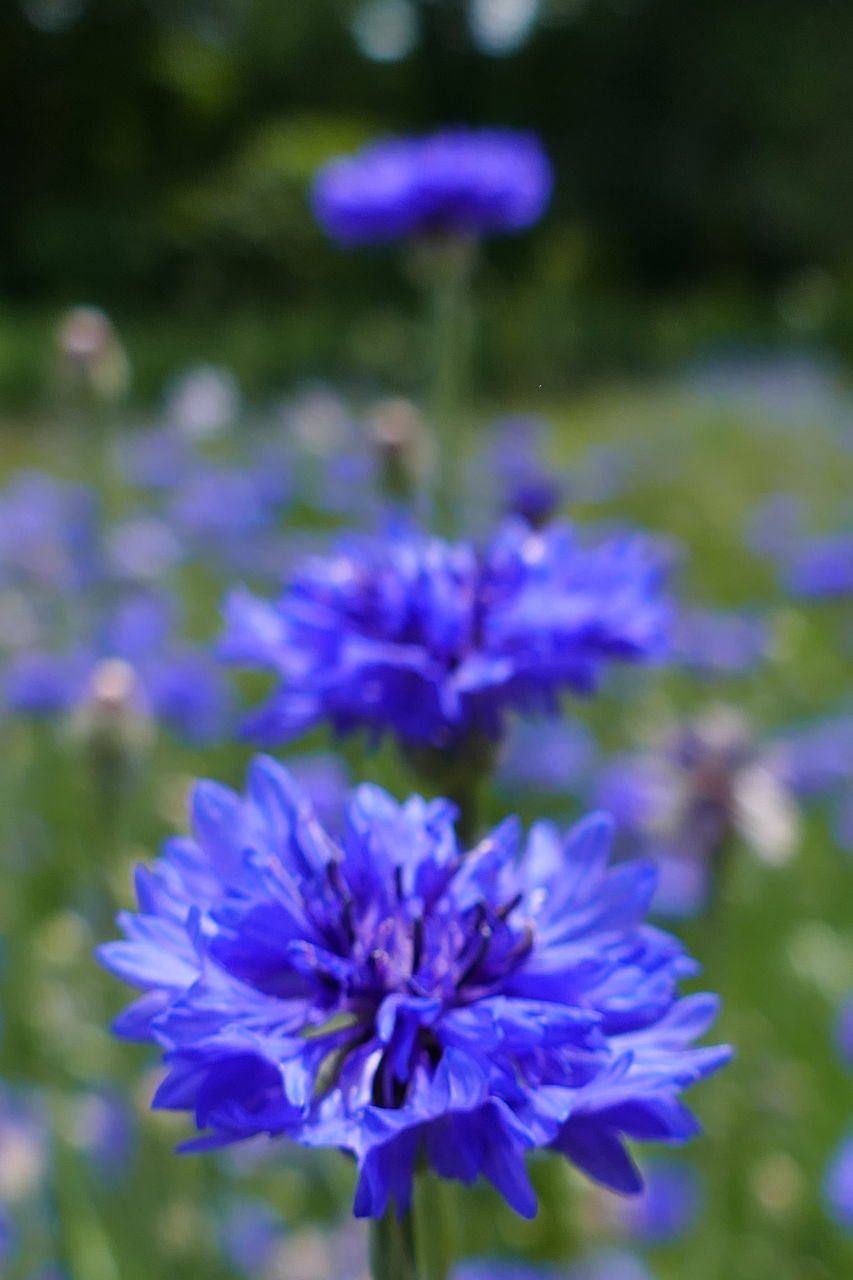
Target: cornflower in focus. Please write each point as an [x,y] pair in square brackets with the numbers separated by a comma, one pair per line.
[400,997]
[458,182]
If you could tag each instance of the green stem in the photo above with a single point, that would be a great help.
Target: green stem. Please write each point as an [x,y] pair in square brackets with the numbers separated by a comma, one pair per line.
[437,1246]
[392,1248]
[443,267]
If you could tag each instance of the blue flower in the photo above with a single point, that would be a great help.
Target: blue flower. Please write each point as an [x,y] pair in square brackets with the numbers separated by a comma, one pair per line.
[838,1184]
[465,182]
[668,1206]
[132,664]
[721,642]
[396,996]
[437,642]
[821,567]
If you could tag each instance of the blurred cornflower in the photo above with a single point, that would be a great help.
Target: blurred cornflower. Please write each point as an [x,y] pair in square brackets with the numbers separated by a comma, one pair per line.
[132,673]
[709,780]
[48,533]
[157,457]
[668,1205]
[838,1184]
[557,757]
[820,567]
[717,642]
[397,996]
[844,1031]
[459,182]
[104,1129]
[514,464]
[817,759]
[436,641]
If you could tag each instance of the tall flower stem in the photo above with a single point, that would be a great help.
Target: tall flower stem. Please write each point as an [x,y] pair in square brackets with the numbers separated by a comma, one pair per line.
[392,1248]
[443,266]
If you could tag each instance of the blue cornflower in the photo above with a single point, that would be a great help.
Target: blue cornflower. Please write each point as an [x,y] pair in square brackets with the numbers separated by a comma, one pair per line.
[396,996]
[132,670]
[464,182]
[48,533]
[669,1205]
[437,642]
[718,642]
[838,1184]
[821,567]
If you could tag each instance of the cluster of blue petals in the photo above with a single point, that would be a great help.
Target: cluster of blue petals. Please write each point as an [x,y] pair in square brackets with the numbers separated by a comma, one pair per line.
[467,182]
[435,640]
[391,994]
[173,682]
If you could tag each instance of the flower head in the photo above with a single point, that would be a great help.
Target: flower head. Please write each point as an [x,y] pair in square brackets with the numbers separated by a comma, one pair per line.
[465,182]
[437,642]
[394,995]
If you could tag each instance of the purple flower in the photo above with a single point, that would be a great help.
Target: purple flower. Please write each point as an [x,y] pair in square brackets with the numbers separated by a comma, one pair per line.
[132,668]
[838,1184]
[462,182]
[528,486]
[668,1205]
[437,642]
[821,567]
[709,780]
[556,756]
[399,997]
[48,533]
[104,1128]
[844,1031]
[716,642]
[251,1233]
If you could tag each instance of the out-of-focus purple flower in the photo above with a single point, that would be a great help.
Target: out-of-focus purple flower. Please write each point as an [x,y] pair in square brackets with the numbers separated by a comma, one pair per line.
[554,756]
[142,549]
[251,1233]
[461,182]
[437,642]
[133,660]
[844,1031]
[105,1129]
[821,567]
[818,757]
[709,780]
[157,458]
[8,1236]
[203,402]
[398,997]
[838,1184]
[48,533]
[219,502]
[716,642]
[527,485]
[668,1205]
